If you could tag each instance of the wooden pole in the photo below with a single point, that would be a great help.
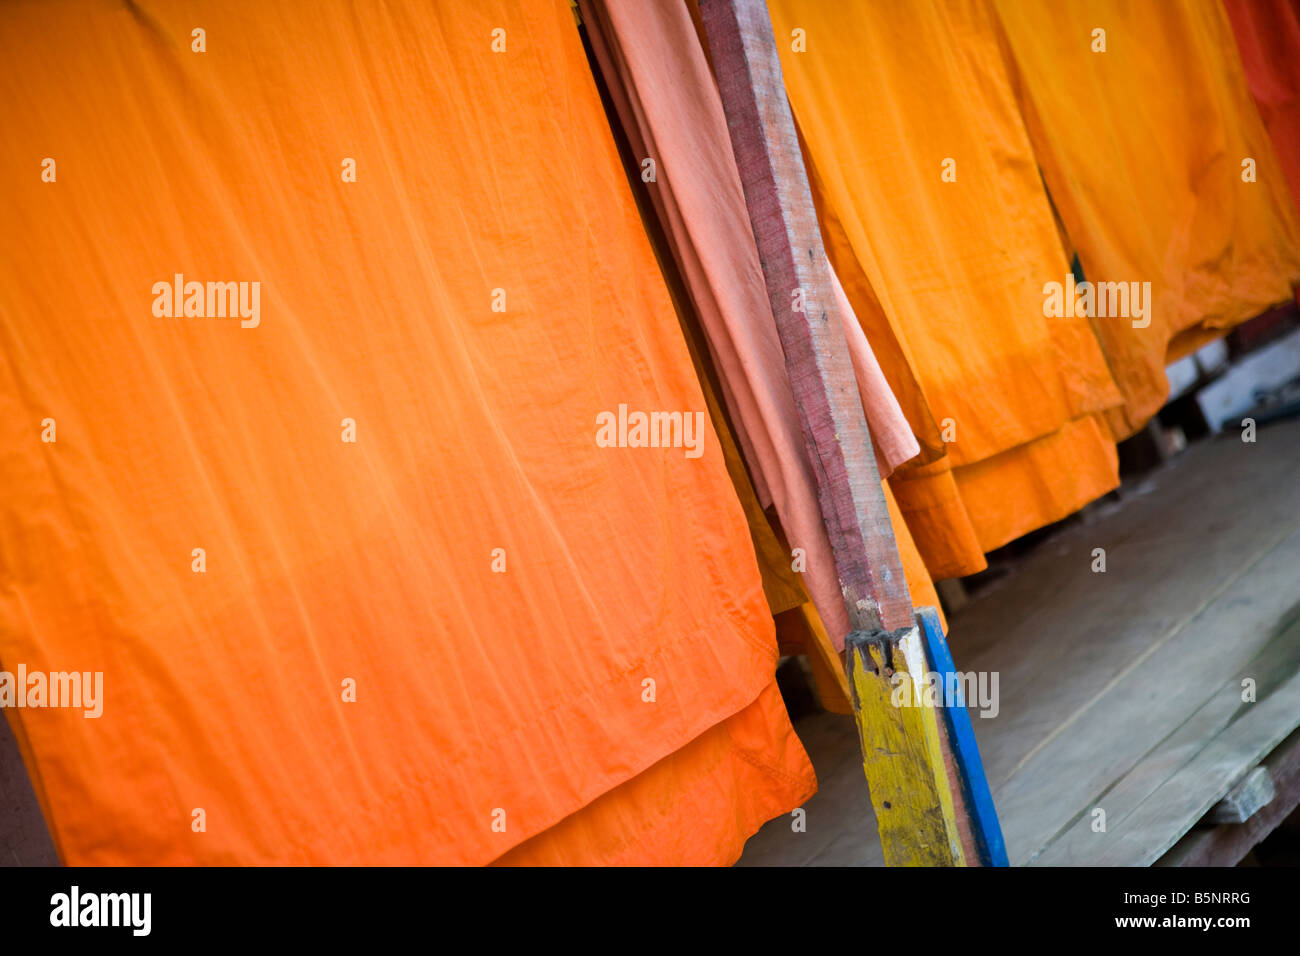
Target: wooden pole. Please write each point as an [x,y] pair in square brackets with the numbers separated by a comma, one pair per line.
[902,756]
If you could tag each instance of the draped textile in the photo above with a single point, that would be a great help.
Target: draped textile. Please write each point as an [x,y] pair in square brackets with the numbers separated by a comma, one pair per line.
[1268,38]
[1144,147]
[362,585]
[659,79]
[939,228]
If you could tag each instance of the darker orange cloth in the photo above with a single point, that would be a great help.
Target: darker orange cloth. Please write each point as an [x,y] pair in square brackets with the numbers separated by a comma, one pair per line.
[1268,37]
[470,305]
[937,223]
[1149,147]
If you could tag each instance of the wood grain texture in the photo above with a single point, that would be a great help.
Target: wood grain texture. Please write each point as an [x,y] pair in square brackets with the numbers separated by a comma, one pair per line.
[902,757]
[978,799]
[1111,683]
[1227,844]
[1247,797]
[799,287]
[902,750]
[1171,786]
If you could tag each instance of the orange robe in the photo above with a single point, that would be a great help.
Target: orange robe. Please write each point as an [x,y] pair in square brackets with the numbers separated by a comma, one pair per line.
[938,225]
[1268,37]
[431,643]
[1149,148]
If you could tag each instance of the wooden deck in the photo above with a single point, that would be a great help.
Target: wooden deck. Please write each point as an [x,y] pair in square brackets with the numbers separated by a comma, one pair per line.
[1119,691]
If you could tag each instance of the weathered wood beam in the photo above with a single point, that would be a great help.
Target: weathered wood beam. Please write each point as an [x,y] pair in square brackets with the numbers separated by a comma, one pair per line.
[978,798]
[902,755]
[816,352]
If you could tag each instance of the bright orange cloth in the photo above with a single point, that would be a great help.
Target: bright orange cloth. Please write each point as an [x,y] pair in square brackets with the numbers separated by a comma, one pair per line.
[1142,147]
[328,561]
[946,273]
[646,819]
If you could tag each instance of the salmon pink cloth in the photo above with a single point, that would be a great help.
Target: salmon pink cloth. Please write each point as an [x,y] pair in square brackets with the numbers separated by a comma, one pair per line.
[663,89]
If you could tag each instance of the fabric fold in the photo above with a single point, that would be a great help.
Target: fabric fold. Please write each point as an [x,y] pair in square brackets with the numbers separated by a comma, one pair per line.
[663,90]
[936,221]
[364,583]
[1162,171]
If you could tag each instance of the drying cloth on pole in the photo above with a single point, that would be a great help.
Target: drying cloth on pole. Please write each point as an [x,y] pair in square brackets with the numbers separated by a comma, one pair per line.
[328,334]
[667,101]
[938,225]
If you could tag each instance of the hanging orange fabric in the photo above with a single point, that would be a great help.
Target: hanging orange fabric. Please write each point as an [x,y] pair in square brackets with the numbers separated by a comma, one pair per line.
[1268,38]
[1162,171]
[670,815]
[432,642]
[938,226]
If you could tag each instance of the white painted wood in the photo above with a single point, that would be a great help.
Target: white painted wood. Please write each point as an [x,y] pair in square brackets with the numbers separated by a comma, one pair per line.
[1226,399]
[1252,794]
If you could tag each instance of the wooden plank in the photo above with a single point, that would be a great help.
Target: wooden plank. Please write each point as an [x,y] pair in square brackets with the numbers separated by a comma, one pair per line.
[1246,798]
[902,752]
[1150,720]
[1185,549]
[1150,697]
[1059,634]
[1154,827]
[1227,844]
[1131,838]
[979,800]
[797,276]
[902,758]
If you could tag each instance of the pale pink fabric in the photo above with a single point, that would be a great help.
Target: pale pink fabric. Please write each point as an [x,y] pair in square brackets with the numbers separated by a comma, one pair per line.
[891,437]
[661,85]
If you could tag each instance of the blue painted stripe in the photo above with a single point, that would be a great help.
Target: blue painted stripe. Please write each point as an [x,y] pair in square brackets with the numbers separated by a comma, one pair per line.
[966,752]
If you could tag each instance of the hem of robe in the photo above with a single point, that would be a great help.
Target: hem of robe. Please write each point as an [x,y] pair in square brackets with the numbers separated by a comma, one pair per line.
[695,807]
[1129,419]
[957,515]
[1061,473]
[535,773]
[1215,256]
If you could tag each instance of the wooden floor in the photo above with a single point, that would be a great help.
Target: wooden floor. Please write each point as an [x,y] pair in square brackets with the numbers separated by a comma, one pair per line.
[1119,691]
[24,839]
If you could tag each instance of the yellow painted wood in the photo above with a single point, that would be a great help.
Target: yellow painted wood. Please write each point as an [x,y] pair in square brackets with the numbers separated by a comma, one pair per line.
[903,760]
